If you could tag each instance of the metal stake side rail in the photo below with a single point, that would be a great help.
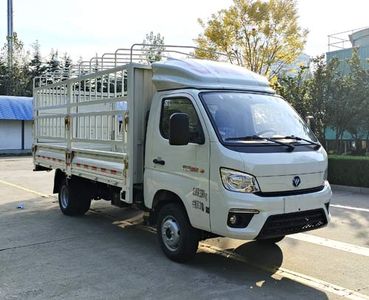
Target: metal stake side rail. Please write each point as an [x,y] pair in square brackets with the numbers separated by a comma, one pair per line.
[81,127]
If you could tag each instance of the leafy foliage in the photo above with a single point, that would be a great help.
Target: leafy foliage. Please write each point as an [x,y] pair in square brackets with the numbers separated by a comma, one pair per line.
[260,35]
[14,79]
[17,80]
[53,64]
[66,65]
[333,99]
[153,47]
[349,170]
[295,90]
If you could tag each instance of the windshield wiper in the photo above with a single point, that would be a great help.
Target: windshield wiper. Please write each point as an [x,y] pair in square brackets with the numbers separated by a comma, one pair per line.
[259,138]
[297,138]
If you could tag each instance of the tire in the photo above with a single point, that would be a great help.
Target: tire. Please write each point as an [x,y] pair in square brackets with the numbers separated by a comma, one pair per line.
[271,240]
[71,201]
[178,239]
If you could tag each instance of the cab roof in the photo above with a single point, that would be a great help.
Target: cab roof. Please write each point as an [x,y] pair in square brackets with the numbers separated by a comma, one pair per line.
[205,74]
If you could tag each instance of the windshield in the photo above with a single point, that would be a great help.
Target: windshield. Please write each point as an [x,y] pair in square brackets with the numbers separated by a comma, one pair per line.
[237,114]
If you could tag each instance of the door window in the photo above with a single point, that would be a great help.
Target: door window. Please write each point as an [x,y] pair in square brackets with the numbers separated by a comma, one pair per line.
[180,105]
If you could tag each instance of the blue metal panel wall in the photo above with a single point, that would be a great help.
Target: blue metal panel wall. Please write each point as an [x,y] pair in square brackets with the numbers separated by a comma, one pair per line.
[345,54]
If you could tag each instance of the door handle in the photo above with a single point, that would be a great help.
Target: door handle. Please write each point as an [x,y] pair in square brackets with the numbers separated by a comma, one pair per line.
[158,161]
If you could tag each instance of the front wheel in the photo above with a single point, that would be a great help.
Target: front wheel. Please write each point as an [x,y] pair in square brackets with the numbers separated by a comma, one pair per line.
[70,202]
[178,239]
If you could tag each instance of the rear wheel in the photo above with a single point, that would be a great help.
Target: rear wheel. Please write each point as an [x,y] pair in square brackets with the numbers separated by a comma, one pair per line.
[177,238]
[271,240]
[71,201]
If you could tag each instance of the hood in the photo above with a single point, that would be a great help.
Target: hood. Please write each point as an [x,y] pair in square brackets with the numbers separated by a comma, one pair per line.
[275,172]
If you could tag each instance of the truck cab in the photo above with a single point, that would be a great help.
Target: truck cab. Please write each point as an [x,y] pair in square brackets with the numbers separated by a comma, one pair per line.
[248,167]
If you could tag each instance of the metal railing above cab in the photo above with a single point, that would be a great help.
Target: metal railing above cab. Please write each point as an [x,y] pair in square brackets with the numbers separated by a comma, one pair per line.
[137,53]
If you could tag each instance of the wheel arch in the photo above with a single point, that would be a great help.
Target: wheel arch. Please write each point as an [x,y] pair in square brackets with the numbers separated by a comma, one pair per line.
[161,198]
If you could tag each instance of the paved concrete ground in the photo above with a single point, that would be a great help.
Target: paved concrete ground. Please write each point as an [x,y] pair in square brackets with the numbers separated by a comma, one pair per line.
[44,254]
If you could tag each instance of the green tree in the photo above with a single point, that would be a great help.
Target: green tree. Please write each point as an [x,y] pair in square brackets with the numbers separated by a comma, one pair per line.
[36,66]
[320,91]
[153,47]
[17,80]
[346,101]
[261,35]
[53,64]
[335,100]
[358,81]
[312,95]
[14,78]
[339,109]
[66,65]
[3,76]
[295,90]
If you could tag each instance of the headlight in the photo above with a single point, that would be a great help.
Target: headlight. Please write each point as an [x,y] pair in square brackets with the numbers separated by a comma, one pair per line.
[238,182]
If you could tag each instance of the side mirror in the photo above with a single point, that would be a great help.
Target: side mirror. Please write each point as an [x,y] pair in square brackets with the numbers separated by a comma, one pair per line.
[179,129]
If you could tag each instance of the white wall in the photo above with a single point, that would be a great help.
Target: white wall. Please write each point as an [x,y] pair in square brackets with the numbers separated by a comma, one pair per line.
[28,139]
[11,135]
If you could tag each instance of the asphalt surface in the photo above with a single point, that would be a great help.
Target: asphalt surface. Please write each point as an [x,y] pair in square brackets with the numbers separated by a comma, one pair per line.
[107,254]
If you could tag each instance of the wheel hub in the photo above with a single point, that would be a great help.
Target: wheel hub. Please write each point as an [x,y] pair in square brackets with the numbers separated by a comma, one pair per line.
[170,232]
[64,197]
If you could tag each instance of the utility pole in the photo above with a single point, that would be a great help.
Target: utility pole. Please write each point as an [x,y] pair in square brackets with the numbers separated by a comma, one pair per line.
[10,36]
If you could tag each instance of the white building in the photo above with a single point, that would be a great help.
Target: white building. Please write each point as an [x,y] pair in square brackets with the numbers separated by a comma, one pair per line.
[15,124]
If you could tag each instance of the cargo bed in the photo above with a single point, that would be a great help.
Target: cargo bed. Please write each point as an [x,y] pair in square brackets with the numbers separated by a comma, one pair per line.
[92,126]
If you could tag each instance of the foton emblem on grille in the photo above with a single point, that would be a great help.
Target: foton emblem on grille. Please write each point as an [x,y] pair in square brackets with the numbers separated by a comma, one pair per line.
[296,181]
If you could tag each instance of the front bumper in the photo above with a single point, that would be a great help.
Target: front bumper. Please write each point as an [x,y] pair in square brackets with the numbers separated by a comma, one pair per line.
[278,215]
[280,225]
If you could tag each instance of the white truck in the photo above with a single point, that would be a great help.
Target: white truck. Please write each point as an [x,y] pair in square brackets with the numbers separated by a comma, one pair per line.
[204,148]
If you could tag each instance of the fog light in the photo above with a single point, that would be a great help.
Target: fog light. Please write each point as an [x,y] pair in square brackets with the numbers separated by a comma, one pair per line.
[239,219]
[232,219]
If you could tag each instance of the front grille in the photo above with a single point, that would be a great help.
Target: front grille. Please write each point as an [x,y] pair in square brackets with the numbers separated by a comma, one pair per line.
[279,225]
[290,193]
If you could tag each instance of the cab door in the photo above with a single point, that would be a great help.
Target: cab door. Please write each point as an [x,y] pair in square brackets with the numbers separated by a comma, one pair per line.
[183,170]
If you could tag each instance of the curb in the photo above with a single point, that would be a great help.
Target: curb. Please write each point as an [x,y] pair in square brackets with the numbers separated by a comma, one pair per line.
[354,189]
